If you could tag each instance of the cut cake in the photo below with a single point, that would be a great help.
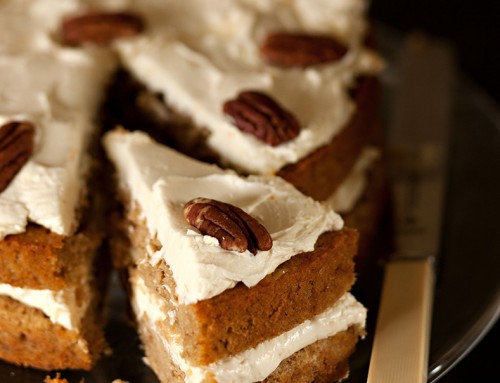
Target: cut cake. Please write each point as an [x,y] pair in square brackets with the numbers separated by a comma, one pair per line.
[273,88]
[195,58]
[203,78]
[209,314]
[50,230]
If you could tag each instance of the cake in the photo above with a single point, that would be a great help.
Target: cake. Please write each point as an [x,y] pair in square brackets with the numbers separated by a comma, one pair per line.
[199,57]
[280,94]
[184,76]
[225,83]
[213,312]
[51,274]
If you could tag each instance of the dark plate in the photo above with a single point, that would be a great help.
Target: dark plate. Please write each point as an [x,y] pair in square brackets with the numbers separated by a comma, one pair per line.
[467,300]
[467,295]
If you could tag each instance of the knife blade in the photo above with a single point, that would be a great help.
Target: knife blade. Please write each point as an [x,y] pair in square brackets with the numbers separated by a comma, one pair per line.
[417,145]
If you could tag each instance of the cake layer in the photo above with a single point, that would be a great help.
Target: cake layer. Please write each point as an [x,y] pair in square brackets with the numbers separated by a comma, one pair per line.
[63,307]
[257,363]
[57,258]
[298,290]
[325,361]
[242,317]
[29,337]
[59,327]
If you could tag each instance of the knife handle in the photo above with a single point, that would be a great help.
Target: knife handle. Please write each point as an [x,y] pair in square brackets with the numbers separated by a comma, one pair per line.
[401,343]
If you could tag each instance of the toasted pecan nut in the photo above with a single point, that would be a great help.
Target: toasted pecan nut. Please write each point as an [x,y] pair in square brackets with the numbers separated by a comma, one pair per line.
[258,114]
[234,229]
[100,28]
[300,50]
[16,147]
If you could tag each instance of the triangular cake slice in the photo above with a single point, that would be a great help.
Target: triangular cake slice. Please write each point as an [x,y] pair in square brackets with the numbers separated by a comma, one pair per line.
[211,312]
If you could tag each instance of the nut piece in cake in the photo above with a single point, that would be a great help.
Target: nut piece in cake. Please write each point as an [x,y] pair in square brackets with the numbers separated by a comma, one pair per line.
[16,146]
[233,228]
[258,114]
[300,50]
[100,28]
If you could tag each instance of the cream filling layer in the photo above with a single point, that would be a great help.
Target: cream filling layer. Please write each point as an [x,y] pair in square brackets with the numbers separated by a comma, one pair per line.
[64,307]
[257,363]
[353,186]
[161,181]
[199,54]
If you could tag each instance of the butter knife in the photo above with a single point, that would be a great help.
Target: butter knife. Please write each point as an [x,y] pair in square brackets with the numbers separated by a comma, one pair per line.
[417,145]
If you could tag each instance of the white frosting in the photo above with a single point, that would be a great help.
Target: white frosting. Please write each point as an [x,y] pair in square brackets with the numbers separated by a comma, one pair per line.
[64,307]
[161,181]
[145,302]
[199,54]
[257,363]
[27,25]
[352,187]
[58,90]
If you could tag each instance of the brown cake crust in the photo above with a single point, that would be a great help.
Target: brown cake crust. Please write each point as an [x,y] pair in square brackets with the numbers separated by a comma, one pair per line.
[55,257]
[29,338]
[297,290]
[320,173]
[36,246]
[324,361]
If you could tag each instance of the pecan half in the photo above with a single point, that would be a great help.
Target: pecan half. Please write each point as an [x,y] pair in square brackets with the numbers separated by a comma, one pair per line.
[100,28]
[234,229]
[300,50]
[16,146]
[258,114]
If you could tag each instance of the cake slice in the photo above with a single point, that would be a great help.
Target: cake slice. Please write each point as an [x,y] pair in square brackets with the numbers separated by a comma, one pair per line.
[51,273]
[211,309]
[215,68]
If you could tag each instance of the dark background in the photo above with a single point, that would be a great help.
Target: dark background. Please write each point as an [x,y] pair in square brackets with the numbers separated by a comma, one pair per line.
[473,30]
[472,27]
